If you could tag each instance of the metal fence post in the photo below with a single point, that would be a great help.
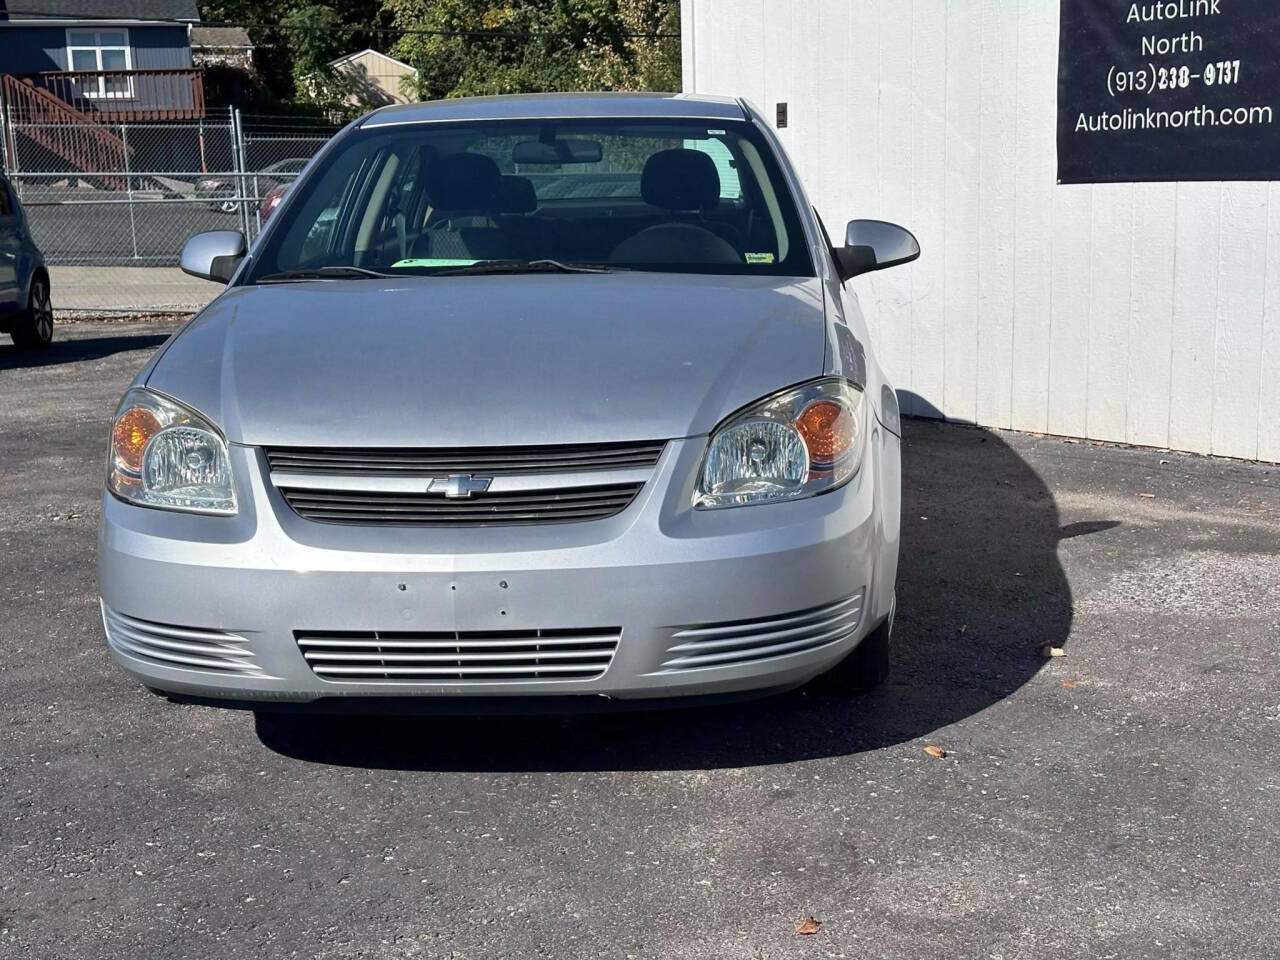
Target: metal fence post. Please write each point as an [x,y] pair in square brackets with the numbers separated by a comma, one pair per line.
[235,164]
[204,163]
[11,147]
[5,124]
[238,159]
[128,189]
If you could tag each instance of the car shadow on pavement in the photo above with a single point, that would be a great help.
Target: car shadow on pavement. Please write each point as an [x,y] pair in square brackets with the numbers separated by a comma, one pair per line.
[74,351]
[980,592]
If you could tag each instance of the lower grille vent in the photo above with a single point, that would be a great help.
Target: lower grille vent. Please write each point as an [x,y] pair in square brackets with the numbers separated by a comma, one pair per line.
[473,656]
[184,648]
[747,641]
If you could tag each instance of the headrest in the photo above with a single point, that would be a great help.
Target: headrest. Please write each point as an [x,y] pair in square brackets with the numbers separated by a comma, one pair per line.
[463,181]
[515,195]
[680,180]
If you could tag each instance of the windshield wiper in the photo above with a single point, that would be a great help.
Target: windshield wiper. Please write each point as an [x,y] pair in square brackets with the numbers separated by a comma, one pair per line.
[524,266]
[323,273]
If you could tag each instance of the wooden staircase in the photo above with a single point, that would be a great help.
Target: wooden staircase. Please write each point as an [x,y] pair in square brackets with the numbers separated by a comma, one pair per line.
[75,136]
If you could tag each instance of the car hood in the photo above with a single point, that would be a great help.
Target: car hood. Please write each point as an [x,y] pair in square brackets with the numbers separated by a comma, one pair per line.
[480,361]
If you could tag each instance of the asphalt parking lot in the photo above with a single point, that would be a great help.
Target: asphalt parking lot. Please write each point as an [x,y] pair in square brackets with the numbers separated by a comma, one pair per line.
[1119,801]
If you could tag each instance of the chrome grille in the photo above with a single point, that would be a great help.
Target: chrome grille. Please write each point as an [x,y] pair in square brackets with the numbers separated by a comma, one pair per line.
[489,461]
[550,505]
[747,641]
[185,648]
[472,656]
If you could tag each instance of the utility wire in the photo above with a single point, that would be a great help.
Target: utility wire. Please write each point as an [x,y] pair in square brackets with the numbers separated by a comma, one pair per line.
[317,28]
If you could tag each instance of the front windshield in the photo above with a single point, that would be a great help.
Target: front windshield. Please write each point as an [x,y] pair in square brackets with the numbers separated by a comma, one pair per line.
[687,196]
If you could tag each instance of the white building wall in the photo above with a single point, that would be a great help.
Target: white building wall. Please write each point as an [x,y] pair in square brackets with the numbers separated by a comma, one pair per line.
[1141,313]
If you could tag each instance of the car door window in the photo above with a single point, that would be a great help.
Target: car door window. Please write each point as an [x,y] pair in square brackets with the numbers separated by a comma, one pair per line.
[325,217]
[10,248]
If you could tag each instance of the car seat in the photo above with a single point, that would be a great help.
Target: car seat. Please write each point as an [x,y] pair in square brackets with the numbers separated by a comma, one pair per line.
[686,185]
[463,221]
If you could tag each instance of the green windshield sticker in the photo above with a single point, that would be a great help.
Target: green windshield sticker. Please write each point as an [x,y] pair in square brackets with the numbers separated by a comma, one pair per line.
[751,258]
[433,262]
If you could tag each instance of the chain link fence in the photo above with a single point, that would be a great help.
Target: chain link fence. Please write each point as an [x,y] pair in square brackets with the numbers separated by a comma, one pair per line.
[110,205]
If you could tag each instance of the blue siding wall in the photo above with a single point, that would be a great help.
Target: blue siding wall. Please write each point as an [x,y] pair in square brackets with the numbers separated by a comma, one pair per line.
[36,49]
[160,48]
[32,49]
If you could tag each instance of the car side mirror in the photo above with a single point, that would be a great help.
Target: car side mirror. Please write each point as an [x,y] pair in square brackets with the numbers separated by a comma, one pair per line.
[214,255]
[874,245]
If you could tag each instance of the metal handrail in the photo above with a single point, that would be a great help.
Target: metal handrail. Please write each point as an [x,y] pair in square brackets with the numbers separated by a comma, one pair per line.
[165,94]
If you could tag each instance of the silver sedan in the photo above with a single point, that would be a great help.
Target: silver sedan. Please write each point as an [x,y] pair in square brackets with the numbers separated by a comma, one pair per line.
[534,397]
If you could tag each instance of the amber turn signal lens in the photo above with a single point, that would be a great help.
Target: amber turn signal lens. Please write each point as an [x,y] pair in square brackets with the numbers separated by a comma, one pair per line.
[828,429]
[129,438]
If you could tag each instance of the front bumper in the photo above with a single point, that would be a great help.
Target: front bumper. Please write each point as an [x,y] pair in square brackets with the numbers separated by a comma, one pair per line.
[659,573]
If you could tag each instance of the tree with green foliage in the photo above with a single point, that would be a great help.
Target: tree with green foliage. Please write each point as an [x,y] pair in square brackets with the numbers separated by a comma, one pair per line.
[286,31]
[315,39]
[475,47]
[462,47]
[649,56]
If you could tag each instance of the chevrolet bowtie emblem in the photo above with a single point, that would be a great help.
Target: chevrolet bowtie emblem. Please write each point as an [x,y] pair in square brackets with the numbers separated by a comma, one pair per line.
[459,485]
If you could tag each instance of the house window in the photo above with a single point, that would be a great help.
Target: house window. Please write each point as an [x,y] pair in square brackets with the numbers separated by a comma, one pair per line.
[105,52]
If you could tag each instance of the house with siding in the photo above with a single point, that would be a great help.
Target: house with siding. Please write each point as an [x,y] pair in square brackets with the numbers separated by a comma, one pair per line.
[72,71]
[376,79]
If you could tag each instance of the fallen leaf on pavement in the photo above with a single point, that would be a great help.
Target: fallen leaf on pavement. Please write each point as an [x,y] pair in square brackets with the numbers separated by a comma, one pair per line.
[933,751]
[1068,684]
[1050,651]
[808,927]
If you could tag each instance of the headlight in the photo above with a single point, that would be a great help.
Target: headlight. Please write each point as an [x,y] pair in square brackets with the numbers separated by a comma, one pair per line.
[164,455]
[798,443]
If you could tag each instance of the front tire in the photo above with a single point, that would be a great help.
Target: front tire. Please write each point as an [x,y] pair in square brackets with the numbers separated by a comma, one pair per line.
[865,668]
[33,329]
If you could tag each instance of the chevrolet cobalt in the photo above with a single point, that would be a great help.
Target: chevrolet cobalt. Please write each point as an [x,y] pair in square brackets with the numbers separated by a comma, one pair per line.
[525,397]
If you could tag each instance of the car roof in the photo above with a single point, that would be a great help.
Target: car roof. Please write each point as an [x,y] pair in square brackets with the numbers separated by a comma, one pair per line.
[557,106]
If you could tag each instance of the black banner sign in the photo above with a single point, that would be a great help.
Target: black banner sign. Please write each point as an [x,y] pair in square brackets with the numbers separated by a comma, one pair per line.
[1171,90]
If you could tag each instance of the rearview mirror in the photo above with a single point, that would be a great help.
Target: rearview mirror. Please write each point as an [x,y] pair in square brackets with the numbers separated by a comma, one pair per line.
[557,151]
[874,245]
[214,255]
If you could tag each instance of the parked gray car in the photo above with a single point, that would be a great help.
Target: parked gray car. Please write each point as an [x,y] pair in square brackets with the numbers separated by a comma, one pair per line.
[223,190]
[454,433]
[26,311]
